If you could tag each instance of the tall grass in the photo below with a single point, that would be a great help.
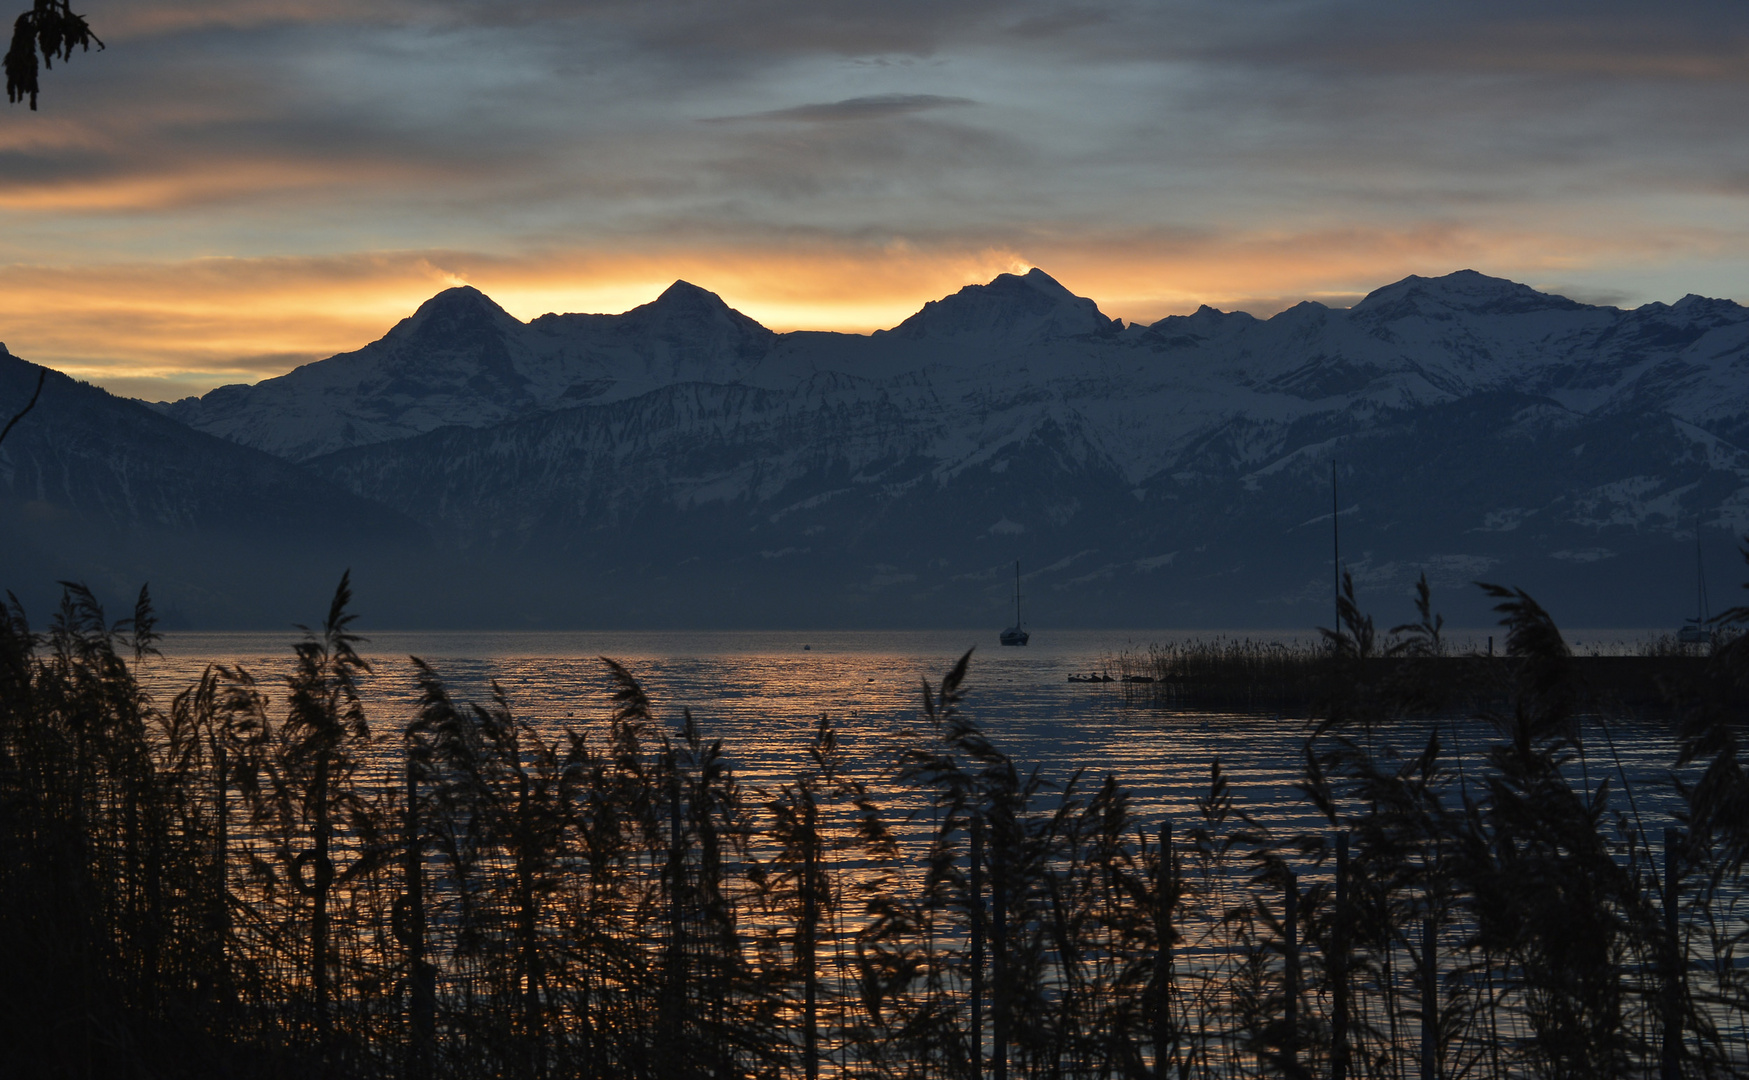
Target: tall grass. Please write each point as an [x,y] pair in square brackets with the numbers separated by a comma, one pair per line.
[254,881]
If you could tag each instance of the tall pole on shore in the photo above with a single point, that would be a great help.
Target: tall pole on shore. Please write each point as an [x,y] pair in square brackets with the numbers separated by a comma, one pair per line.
[1335,553]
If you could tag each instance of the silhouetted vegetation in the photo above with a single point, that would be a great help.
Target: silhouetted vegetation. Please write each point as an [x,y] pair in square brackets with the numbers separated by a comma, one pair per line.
[1412,665]
[255,881]
[52,29]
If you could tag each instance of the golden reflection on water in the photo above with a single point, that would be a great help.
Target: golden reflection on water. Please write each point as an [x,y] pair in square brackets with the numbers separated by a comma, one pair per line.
[761,693]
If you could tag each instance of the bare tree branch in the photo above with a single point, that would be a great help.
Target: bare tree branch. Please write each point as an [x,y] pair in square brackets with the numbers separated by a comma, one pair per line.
[42,373]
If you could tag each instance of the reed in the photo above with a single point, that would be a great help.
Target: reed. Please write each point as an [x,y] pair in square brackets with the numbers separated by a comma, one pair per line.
[255,881]
[1225,674]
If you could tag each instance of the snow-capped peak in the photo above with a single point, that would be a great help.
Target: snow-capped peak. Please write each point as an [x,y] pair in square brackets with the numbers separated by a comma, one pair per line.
[686,316]
[1464,291]
[1703,311]
[461,310]
[1013,307]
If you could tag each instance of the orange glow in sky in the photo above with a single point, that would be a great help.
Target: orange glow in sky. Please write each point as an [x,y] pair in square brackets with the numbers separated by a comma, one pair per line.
[167,330]
[235,187]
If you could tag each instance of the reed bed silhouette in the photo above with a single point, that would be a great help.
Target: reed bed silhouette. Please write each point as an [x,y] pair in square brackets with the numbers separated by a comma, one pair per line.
[241,882]
[1223,674]
[1243,674]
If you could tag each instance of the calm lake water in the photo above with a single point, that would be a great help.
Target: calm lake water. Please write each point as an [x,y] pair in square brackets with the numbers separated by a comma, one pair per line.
[762,693]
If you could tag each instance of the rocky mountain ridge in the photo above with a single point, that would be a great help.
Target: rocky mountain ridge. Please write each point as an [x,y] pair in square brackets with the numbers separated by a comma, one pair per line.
[680,464]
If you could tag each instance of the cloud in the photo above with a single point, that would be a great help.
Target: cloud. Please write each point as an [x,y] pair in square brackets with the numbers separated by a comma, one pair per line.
[1586,294]
[1698,39]
[871,107]
[237,184]
[1607,39]
[147,18]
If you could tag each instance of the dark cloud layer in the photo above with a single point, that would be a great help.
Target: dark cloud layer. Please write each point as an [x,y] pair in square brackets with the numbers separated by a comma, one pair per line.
[871,107]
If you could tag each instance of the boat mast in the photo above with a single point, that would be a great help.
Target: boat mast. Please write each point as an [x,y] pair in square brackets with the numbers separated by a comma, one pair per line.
[1699,577]
[1335,553]
[1017,594]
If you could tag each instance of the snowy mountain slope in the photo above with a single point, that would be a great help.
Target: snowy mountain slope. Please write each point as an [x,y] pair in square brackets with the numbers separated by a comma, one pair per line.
[681,463]
[461,359]
[104,490]
[1011,310]
[725,531]
[740,506]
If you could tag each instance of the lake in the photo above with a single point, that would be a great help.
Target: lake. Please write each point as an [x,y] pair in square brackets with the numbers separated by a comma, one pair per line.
[762,692]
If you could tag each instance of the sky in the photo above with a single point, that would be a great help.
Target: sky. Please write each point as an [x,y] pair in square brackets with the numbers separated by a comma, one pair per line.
[235,187]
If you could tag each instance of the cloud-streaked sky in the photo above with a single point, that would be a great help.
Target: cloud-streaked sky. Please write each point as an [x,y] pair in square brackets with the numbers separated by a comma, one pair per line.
[238,186]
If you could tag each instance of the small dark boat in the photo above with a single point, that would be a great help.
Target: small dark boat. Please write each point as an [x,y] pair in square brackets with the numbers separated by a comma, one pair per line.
[1014,635]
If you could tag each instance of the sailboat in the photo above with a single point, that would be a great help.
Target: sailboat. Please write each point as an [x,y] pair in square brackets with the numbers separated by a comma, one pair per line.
[1695,631]
[1014,635]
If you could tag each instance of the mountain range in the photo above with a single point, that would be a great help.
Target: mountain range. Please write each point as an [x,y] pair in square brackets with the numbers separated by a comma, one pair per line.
[681,465]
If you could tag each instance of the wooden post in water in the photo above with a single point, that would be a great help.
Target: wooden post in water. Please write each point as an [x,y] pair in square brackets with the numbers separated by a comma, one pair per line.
[1429,1000]
[1670,1057]
[1339,967]
[1290,929]
[976,904]
[1164,879]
